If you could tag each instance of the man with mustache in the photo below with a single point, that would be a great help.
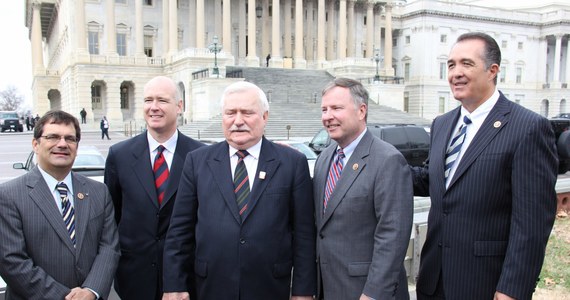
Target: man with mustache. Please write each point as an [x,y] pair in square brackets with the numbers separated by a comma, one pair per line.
[243,216]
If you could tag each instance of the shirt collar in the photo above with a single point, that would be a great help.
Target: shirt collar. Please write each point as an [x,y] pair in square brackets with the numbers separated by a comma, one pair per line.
[348,150]
[52,182]
[481,112]
[253,150]
[170,144]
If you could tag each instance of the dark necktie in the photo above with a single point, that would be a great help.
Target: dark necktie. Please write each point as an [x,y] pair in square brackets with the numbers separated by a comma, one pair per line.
[241,182]
[68,211]
[160,173]
[334,175]
[455,146]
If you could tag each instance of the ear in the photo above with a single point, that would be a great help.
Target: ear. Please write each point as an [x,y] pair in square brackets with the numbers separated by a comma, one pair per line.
[493,71]
[362,109]
[179,105]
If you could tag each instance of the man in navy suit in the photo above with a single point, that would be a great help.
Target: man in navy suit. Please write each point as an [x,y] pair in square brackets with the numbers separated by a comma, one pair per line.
[242,240]
[491,186]
[142,211]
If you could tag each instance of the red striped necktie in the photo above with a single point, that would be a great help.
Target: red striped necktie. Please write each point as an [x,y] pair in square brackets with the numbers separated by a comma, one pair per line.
[241,182]
[161,173]
[334,176]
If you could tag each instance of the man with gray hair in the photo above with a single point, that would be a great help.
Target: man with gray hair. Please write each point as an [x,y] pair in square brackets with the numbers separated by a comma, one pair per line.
[363,203]
[242,225]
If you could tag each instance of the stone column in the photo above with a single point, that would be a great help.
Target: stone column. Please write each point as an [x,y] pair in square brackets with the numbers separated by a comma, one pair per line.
[200,25]
[557,52]
[173,27]
[321,32]
[542,59]
[139,31]
[309,52]
[265,28]
[300,62]
[80,26]
[287,30]
[341,43]
[242,30]
[276,59]
[165,27]
[388,70]
[567,79]
[227,26]
[330,30]
[112,104]
[370,29]
[192,23]
[37,53]
[110,28]
[251,60]
[351,47]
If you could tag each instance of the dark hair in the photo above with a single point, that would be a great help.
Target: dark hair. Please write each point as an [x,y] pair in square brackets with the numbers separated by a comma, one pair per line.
[492,52]
[357,91]
[56,117]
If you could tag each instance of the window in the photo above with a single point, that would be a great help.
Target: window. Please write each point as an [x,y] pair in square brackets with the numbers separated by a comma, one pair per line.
[364,20]
[407,101]
[503,44]
[408,39]
[502,74]
[519,75]
[394,42]
[121,1]
[147,2]
[148,45]
[520,45]
[93,42]
[407,71]
[443,100]
[96,97]
[442,70]
[122,44]
[519,98]
[124,97]
[441,104]
[443,38]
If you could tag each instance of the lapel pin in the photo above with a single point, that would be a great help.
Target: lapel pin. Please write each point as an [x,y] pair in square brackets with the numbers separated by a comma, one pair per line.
[497,124]
[80,196]
[262,175]
[355,167]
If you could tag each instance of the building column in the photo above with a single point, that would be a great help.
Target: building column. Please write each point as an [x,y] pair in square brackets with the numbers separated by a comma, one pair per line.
[276,59]
[112,105]
[110,28]
[321,20]
[37,53]
[300,62]
[370,29]
[388,70]
[330,30]
[80,27]
[165,28]
[173,27]
[192,23]
[557,52]
[200,25]
[139,30]
[351,47]
[567,78]
[227,26]
[251,60]
[287,30]
[309,52]
[242,32]
[265,28]
[341,44]
[542,59]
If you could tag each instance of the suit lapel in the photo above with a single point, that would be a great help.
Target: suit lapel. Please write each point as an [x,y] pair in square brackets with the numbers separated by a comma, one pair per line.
[81,207]
[494,122]
[175,173]
[41,194]
[447,127]
[142,168]
[221,171]
[268,163]
[320,179]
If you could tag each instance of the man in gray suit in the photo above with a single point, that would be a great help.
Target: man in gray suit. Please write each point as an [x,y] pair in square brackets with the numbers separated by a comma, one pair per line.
[59,238]
[363,203]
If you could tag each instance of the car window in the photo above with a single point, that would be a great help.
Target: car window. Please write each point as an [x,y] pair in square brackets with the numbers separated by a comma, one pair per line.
[395,136]
[418,137]
[89,160]
[321,138]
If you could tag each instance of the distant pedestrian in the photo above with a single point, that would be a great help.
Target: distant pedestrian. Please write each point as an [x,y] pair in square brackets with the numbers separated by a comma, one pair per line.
[267,60]
[83,114]
[104,128]
[29,121]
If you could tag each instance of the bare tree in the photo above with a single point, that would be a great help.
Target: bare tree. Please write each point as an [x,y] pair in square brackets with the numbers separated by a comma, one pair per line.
[11,98]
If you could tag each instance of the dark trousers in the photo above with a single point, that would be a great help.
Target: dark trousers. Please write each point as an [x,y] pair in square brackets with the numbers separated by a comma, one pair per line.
[105,132]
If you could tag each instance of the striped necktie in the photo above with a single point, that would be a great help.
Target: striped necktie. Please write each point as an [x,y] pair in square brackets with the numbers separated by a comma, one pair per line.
[455,146]
[161,173]
[68,212]
[334,175]
[241,182]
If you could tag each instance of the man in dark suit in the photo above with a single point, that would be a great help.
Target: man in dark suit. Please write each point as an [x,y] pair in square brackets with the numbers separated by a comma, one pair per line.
[243,222]
[490,174]
[363,203]
[59,238]
[142,174]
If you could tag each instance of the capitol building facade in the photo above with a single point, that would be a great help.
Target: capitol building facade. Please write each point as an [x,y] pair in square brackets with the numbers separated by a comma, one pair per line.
[98,54]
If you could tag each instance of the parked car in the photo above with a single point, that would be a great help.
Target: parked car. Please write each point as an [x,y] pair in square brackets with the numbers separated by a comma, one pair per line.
[303,148]
[562,115]
[89,162]
[561,128]
[9,120]
[411,140]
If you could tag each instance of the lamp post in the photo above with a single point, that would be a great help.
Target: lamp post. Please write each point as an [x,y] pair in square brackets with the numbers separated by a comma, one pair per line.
[215,48]
[377,59]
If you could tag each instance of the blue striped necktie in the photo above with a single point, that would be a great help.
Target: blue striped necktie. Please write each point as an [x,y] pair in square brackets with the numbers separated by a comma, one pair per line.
[455,146]
[68,211]
[241,182]
[334,175]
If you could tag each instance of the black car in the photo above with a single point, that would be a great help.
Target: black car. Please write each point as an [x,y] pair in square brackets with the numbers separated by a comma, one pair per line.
[561,128]
[9,120]
[411,140]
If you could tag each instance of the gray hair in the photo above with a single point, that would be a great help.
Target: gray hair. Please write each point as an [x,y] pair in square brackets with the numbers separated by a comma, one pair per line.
[242,86]
[357,91]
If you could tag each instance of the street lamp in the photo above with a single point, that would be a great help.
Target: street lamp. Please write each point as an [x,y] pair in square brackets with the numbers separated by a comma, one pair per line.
[377,59]
[215,48]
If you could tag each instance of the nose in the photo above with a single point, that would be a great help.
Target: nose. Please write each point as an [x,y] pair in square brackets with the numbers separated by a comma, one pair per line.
[238,119]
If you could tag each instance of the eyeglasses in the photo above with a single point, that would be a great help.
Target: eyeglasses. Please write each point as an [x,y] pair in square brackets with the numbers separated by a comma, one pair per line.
[54,138]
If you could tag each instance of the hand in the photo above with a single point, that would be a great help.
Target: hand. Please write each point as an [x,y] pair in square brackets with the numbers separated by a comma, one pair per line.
[301,297]
[501,296]
[364,297]
[80,294]
[176,296]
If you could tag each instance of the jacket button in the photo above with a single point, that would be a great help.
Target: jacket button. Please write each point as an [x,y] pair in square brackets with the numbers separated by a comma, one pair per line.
[242,241]
[322,236]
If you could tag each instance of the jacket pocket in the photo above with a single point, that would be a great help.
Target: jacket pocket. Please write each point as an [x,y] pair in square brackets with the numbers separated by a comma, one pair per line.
[358,269]
[201,268]
[489,248]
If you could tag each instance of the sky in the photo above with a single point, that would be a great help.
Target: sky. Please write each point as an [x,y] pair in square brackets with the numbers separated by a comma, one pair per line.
[15,52]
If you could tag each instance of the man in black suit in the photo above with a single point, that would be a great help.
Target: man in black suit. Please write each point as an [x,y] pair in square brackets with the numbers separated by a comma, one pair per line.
[490,174]
[243,224]
[142,174]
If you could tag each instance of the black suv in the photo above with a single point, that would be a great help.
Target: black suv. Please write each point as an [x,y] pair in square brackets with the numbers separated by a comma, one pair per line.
[411,140]
[9,120]
[561,128]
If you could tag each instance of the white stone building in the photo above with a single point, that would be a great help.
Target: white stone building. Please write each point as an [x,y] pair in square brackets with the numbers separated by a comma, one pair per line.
[98,54]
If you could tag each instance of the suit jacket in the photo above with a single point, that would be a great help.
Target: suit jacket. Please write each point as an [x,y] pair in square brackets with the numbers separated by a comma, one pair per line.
[142,223]
[364,233]
[37,257]
[488,230]
[247,257]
